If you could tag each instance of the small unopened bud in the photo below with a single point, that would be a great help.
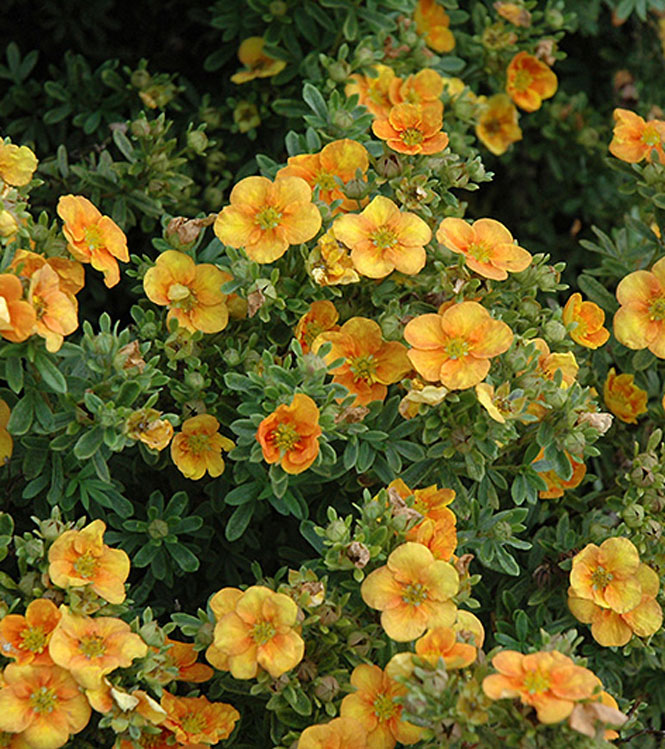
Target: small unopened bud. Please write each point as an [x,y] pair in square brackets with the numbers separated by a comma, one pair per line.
[633,515]
[554,331]
[339,71]
[337,530]
[355,189]
[140,79]
[197,140]
[342,119]
[359,642]
[327,688]
[307,670]
[389,166]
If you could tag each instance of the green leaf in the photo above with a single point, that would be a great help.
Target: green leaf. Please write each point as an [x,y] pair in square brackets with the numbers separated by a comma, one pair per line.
[239,521]
[598,293]
[124,145]
[50,374]
[315,100]
[14,374]
[22,415]
[243,494]
[88,443]
[183,557]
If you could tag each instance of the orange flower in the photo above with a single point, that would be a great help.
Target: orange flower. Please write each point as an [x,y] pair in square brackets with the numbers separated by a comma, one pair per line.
[373,92]
[146,426]
[622,396]
[514,13]
[79,558]
[91,648]
[372,706]
[191,292]
[548,681]
[195,720]
[640,321]
[320,317]
[290,434]
[382,239]
[17,164]
[152,740]
[487,246]
[587,320]
[550,363]
[26,638]
[455,347]
[339,160]
[56,311]
[529,81]
[371,364]
[422,88]
[93,238]
[70,272]
[198,447]
[260,630]
[256,62]
[412,129]
[432,21]
[555,484]
[442,642]
[413,591]
[43,704]
[182,657]
[634,139]
[497,126]
[17,318]
[6,441]
[329,262]
[340,733]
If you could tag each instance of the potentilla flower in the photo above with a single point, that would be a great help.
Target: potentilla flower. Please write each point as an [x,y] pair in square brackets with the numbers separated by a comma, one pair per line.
[195,720]
[383,239]
[373,92]
[330,264]
[182,664]
[70,272]
[92,648]
[487,246]
[555,484]
[501,404]
[198,447]
[497,127]
[6,441]
[26,638]
[586,319]
[413,591]
[339,160]
[321,317]
[192,293]
[634,139]
[257,63]
[81,558]
[340,733]
[455,347]
[622,396]
[17,317]
[43,705]
[372,706]
[529,81]
[432,21]
[425,87]
[260,631]
[56,312]
[601,708]
[548,681]
[146,426]
[370,363]
[93,238]
[290,434]
[17,164]
[266,217]
[221,604]
[640,321]
[442,642]
[413,129]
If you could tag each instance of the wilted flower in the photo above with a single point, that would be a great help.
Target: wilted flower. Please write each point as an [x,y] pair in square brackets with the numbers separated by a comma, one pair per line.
[17,164]
[146,426]
[320,317]
[257,63]
[622,396]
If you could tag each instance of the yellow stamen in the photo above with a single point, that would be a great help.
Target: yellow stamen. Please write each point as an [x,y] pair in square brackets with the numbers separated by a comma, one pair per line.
[43,700]
[263,632]
[86,565]
[285,436]
[457,348]
[268,218]
[384,707]
[414,594]
[412,136]
[92,646]
[536,682]
[363,368]
[33,639]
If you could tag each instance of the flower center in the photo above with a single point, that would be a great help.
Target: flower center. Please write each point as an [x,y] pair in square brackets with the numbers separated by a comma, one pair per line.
[601,578]
[43,700]
[93,238]
[657,308]
[198,443]
[412,136]
[268,218]
[383,238]
[263,632]
[522,80]
[177,292]
[92,646]
[480,251]
[86,565]
[492,126]
[193,723]
[457,348]
[285,436]
[363,367]
[5,317]
[39,306]
[325,181]
[34,639]
[536,682]
[414,594]
[650,136]
[384,707]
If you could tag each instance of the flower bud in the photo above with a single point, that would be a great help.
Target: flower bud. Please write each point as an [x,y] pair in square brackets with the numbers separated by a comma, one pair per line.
[339,71]
[327,688]
[337,531]
[359,642]
[389,165]
[140,79]
[633,515]
[554,331]
[342,119]
[197,140]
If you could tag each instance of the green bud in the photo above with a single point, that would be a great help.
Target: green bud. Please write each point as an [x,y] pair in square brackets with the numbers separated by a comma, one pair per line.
[554,331]
[633,515]
[342,119]
[197,140]
[339,71]
[337,531]
[158,529]
[140,79]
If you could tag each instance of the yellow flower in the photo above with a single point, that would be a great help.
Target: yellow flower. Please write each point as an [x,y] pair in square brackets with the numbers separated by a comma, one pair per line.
[497,126]
[622,396]
[17,164]
[198,447]
[257,63]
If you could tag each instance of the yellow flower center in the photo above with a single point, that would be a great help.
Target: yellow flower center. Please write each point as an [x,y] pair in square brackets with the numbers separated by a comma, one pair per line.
[412,136]
[177,292]
[268,218]
[456,348]
[5,317]
[263,632]
[285,436]
[92,646]
[38,305]
[43,700]
[193,723]
[536,682]
[383,238]
[650,136]
[522,80]
[492,126]
[384,707]
[657,309]
[480,251]
[93,238]
[601,578]
[86,565]
[414,594]
[363,367]
[198,443]
[34,639]
[325,181]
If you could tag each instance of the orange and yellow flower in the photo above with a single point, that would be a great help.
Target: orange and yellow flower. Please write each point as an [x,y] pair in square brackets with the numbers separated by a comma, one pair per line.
[529,81]
[413,129]
[339,160]
[70,272]
[487,246]
[340,733]
[322,316]
[56,311]
[93,238]
[17,164]
[442,642]
[17,317]
[26,638]
[413,591]
[634,139]
[500,403]
[182,658]
[198,447]
[370,363]
[290,434]
[586,319]
[372,706]
[432,21]
[640,321]
[266,217]
[622,396]
[260,630]
[329,263]
[81,558]
[195,720]
[43,705]
[548,681]
[257,63]
[373,92]
[555,484]
[192,293]
[146,426]
[425,87]
[6,441]
[497,127]
[455,347]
